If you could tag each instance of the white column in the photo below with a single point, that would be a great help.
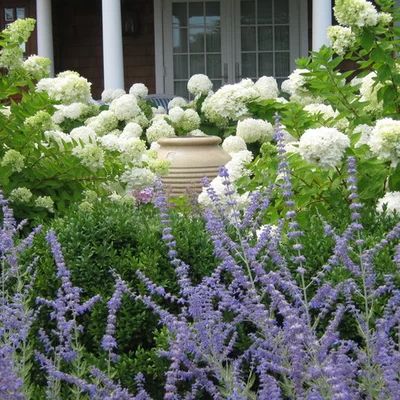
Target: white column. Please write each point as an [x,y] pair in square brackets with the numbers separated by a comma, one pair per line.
[113,61]
[321,20]
[45,31]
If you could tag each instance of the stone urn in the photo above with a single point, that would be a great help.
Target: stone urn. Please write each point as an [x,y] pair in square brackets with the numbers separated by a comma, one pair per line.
[191,159]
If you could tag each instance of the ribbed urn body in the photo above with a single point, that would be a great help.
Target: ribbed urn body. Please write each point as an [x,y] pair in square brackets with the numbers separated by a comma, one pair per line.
[191,159]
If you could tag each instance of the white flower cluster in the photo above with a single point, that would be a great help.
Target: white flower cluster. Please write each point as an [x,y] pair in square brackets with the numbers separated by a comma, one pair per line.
[37,67]
[384,140]
[20,195]
[139,90]
[103,123]
[229,103]
[323,146]
[391,202]
[177,102]
[14,160]
[59,137]
[184,120]
[342,38]
[357,13]
[90,155]
[236,168]
[68,87]
[328,115]
[126,107]
[108,95]
[71,111]
[234,144]
[369,92]
[83,134]
[254,130]
[199,85]
[295,86]
[138,178]
[158,129]
[365,132]
[45,202]
[267,88]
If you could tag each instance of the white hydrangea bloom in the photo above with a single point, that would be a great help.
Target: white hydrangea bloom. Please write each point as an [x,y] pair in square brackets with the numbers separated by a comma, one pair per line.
[20,195]
[229,103]
[125,107]
[196,132]
[158,129]
[323,146]
[67,87]
[155,146]
[139,90]
[385,18]
[71,111]
[233,144]
[237,165]
[45,202]
[267,87]
[295,86]
[110,142]
[390,201]
[369,92]
[357,13]
[117,93]
[199,84]
[385,140]
[90,155]
[158,110]
[132,129]
[107,96]
[59,137]
[185,120]
[254,130]
[13,159]
[5,110]
[326,111]
[138,178]
[37,67]
[83,134]
[177,102]
[365,131]
[342,38]
[103,123]
[132,149]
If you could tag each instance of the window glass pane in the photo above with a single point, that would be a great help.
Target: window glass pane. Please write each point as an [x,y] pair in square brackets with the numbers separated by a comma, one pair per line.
[213,38]
[196,14]
[282,64]
[197,64]
[249,69]
[20,12]
[248,12]
[213,14]
[181,67]
[264,11]
[282,11]
[180,89]
[179,37]
[196,40]
[9,14]
[248,38]
[179,14]
[266,64]
[265,38]
[214,65]
[282,38]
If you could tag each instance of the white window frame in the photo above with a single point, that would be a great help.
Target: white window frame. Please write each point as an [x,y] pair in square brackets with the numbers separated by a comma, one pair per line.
[230,36]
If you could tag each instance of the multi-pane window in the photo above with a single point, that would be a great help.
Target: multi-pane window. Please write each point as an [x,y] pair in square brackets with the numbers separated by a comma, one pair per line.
[196,38]
[265,38]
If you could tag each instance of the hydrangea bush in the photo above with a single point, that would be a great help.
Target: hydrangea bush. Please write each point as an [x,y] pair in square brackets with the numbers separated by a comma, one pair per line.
[57,145]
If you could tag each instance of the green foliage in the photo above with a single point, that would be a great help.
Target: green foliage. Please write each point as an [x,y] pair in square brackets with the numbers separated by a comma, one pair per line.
[123,239]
